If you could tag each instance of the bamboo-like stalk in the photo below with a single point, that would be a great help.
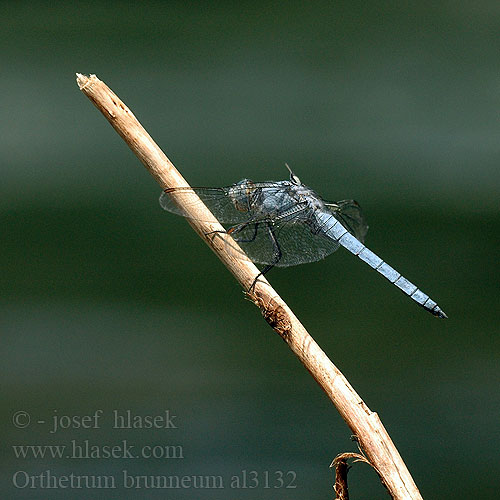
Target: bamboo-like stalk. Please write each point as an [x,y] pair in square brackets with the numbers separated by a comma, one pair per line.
[365,424]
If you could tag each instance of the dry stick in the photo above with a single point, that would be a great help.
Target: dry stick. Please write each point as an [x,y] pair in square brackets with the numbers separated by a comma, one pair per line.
[365,424]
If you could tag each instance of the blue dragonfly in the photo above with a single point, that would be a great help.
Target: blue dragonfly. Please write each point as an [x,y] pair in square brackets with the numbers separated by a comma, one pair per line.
[285,223]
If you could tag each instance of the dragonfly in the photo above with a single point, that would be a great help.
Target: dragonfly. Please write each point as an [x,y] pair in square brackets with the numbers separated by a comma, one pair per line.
[285,223]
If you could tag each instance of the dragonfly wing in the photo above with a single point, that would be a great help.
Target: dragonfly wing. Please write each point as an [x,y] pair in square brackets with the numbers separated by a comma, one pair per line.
[232,204]
[181,200]
[297,243]
[349,214]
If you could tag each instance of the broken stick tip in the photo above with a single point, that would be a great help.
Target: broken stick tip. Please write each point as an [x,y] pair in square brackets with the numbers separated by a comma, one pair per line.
[83,80]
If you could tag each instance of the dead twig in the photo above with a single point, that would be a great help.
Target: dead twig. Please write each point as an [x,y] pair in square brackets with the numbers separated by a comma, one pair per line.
[365,424]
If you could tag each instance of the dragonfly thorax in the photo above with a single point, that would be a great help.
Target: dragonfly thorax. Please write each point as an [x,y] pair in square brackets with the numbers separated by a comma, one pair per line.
[242,195]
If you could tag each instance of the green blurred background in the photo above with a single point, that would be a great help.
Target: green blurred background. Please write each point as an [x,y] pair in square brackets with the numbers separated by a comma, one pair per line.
[107,302]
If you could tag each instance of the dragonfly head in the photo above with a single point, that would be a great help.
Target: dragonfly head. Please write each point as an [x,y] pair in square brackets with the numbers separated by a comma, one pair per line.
[293,178]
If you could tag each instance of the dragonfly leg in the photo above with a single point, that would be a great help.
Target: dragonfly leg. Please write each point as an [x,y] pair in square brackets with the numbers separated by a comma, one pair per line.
[217,231]
[213,234]
[277,254]
[236,229]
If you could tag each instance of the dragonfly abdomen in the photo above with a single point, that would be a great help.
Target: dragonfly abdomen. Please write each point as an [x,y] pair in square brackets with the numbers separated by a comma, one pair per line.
[334,229]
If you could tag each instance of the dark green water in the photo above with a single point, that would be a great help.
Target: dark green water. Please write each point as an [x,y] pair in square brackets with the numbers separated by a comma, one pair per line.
[108,303]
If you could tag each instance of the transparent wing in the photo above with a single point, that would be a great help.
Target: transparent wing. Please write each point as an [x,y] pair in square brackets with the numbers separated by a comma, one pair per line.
[349,214]
[218,200]
[293,239]
[296,242]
